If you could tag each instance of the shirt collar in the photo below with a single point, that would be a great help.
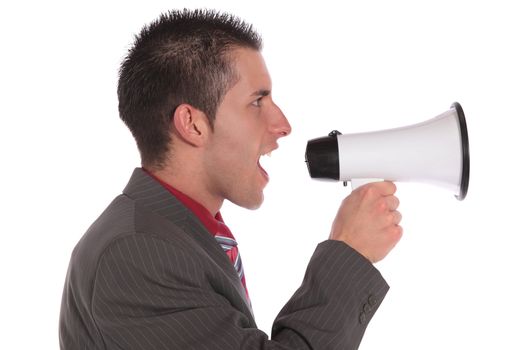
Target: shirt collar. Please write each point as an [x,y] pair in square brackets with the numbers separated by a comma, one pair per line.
[213,224]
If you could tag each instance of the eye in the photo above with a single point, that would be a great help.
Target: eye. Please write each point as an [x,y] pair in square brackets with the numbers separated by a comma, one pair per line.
[257,102]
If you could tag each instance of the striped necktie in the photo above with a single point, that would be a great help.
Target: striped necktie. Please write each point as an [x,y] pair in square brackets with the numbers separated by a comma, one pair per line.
[229,245]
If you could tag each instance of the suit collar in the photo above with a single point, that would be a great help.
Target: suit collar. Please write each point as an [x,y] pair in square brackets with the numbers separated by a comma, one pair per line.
[151,195]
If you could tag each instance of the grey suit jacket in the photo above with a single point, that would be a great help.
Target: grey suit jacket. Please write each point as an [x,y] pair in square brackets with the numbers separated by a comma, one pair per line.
[148,275]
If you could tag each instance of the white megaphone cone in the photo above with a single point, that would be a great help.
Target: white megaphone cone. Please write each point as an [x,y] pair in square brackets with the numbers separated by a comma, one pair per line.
[435,151]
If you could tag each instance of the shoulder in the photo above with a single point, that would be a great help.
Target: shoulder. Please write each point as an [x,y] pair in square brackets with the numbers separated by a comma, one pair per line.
[121,221]
[126,232]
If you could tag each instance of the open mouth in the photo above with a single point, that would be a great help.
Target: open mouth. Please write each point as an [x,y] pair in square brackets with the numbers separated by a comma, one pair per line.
[263,171]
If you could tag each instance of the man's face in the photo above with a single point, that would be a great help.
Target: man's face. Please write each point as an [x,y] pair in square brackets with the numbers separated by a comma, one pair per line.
[247,126]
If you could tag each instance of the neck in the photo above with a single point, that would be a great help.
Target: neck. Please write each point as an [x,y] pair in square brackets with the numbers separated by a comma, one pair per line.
[190,185]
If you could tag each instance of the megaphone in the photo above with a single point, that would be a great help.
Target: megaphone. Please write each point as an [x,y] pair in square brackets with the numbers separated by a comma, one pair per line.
[435,151]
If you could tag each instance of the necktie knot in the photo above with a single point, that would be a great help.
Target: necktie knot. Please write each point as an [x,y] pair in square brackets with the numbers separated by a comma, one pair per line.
[226,243]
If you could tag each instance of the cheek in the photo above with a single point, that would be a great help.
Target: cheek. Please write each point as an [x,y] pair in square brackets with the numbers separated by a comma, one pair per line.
[237,141]
[243,142]
[241,157]
[233,156]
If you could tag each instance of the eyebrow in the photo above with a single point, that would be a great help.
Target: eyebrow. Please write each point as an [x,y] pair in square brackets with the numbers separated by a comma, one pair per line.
[261,92]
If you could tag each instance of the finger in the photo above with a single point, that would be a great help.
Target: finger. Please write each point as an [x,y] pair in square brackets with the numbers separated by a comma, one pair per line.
[386,188]
[397,233]
[395,217]
[392,202]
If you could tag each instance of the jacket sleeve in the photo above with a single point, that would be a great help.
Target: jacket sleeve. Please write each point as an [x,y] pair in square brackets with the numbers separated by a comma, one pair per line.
[340,293]
[149,294]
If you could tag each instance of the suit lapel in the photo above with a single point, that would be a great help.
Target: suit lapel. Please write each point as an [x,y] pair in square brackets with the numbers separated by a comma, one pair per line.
[151,195]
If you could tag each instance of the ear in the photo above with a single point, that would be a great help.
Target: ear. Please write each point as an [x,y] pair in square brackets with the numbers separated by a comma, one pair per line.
[191,124]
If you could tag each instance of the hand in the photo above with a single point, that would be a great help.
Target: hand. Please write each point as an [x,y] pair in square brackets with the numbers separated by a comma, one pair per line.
[368,221]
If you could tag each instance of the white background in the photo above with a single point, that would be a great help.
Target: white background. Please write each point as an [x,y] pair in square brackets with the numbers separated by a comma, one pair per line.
[457,277]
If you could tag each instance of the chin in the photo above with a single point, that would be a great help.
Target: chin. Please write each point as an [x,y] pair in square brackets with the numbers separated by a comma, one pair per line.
[252,203]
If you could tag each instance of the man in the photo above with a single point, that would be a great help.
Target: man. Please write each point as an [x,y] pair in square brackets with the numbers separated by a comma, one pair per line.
[159,269]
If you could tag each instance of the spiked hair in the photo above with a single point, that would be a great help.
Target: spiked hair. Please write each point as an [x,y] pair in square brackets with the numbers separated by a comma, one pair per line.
[181,57]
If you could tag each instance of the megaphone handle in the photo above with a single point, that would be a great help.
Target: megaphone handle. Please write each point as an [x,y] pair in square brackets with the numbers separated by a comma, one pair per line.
[360,182]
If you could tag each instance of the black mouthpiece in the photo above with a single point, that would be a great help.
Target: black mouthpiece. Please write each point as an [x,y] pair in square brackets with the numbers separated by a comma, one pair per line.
[322,157]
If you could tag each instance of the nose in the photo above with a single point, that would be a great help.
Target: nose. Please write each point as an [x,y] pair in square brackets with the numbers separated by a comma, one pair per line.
[279,124]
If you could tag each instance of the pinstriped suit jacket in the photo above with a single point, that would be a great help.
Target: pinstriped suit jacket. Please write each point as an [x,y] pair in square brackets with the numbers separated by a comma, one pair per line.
[147,275]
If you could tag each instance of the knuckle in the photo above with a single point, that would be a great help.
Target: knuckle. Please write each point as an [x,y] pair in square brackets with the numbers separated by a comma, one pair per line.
[396,217]
[389,219]
[396,202]
[397,232]
[382,206]
[368,192]
[392,218]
